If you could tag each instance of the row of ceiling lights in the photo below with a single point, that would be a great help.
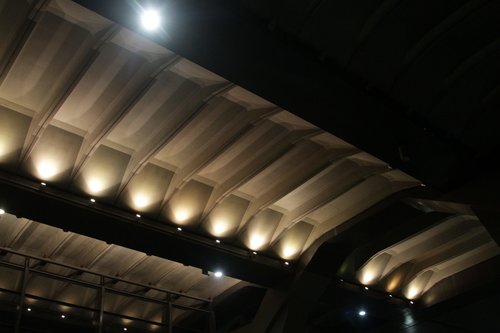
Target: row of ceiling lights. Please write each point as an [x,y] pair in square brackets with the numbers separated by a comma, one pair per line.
[366,288]
[218,241]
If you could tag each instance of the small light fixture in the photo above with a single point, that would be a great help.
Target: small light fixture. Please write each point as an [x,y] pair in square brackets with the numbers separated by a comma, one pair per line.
[43,184]
[362,313]
[28,309]
[217,241]
[254,253]
[341,280]
[390,295]
[218,274]
[138,215]
[179,229]
[92,200]
[366,288]
[63,316]
[287,263]
[124,328]
[411,302]
[2,211]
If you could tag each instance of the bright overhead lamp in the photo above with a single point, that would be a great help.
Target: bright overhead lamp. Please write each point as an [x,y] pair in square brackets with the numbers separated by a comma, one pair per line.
[150,19]
[217,241]
[92,200]
[138,215]
[287,263]
[362,313]
[2,211]
[179,228]
[218,274]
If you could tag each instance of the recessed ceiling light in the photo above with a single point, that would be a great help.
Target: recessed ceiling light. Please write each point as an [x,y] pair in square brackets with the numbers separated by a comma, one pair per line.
[218,274]
[390,295]
[43,184]
[254,253]
[29,309]
[411,302]
[287,263]
[138,215]
[150,19]
[92,200]
[217,241]
[124,328]
[2,211]
[362,313]
[63,316]
[366,288]
[179,228]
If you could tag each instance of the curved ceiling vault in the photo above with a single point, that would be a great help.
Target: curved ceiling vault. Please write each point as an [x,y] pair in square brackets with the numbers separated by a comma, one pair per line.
[97,110]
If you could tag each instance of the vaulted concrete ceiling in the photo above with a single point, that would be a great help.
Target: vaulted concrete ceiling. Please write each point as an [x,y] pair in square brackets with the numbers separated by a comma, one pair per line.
[98,111]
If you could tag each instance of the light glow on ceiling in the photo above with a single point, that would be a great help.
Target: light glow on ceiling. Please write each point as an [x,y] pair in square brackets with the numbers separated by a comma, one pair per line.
[47,169]
[6,144]
[288,251]
[181,215]
[95,185]
[257,241]
[141,200]
[219,227]
[368,277]
[150,19]
[2,149]
[412,292]
[2,211]
[394,282]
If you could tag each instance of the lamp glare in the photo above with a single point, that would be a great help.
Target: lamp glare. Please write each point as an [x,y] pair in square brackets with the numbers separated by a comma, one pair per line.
[150,19]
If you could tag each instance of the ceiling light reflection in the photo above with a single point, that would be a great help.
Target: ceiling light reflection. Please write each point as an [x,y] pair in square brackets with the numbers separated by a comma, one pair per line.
[220,227]
[288,251]
[368,277]
[95,185]
[257,241]
[46,169]
[181,215]
[141,200]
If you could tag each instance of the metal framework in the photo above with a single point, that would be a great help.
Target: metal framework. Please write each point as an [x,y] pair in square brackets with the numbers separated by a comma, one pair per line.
[31,265]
